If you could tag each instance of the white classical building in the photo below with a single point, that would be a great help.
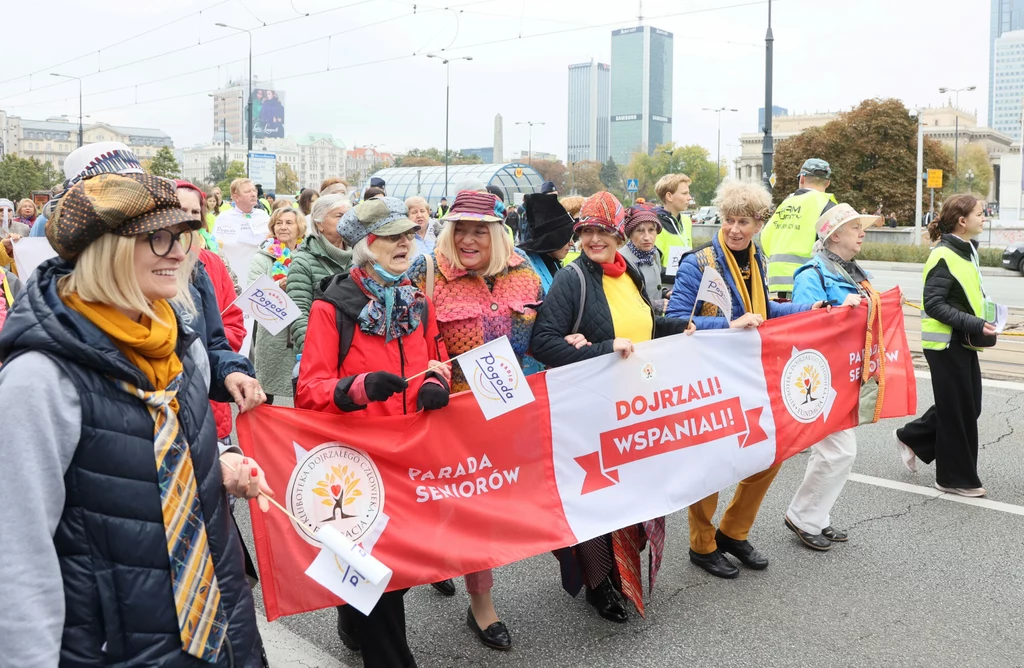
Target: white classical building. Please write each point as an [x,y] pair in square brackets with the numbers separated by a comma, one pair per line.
[321,156]
[195,160]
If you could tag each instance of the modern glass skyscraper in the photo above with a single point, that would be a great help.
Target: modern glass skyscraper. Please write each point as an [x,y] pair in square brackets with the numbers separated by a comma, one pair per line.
[1007,16]
[1007,83]
[588,112]
[641,91]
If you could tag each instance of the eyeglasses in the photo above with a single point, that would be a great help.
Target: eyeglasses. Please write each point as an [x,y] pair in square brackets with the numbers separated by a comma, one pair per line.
[162,241]
[395,238]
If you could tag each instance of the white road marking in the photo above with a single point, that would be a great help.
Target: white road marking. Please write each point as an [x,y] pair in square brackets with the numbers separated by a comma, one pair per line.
[1000,384]
[934,493]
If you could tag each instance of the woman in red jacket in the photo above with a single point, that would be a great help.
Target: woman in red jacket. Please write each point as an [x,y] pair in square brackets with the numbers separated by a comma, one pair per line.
[368,331]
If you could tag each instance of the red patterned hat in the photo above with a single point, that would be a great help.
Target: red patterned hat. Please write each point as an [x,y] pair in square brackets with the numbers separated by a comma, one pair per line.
[602,210]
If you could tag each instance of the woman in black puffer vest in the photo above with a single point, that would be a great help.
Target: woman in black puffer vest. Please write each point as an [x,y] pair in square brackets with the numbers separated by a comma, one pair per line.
[123,525]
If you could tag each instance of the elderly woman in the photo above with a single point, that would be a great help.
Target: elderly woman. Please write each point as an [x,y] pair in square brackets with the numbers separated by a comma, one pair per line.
[745,207]
[125,509]
[321,255]
[548,238]
[483,290]
[26,212]
[419,213]
[392,333]
[615,315]
[832,276]
[642,227]
[273,353]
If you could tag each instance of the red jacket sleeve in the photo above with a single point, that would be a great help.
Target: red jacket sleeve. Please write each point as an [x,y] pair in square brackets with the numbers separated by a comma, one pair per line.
[223,286]
[319,388]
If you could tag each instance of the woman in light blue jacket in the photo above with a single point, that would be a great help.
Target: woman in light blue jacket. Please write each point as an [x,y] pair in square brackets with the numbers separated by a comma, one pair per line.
[834,277]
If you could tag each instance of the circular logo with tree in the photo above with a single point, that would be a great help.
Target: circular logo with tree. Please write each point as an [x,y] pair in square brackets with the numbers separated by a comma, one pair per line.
[806,381]
[337,485]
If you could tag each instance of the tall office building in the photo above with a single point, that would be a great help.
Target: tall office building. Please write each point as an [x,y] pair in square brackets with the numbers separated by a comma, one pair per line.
[1007,16]
[641,91]
[1007,83]
[589,96]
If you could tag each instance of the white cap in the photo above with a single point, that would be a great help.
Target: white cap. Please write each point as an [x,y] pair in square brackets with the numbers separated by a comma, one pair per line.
[105,157]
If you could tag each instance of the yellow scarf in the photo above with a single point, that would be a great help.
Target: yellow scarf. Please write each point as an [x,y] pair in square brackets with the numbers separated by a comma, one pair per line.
[148,344]
[755,303]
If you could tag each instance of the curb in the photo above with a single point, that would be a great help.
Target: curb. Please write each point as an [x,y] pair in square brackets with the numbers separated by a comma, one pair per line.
[286,649]
[915,267]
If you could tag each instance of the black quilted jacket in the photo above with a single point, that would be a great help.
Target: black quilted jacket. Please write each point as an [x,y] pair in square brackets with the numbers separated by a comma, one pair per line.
[557,315]
[944,299]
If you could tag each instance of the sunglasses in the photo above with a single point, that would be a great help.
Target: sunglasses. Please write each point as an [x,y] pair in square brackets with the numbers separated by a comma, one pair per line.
[395,238]
[162,241]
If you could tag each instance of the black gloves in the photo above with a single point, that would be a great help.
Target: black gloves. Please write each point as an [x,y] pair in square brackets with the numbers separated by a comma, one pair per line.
[380,385]
[432,396]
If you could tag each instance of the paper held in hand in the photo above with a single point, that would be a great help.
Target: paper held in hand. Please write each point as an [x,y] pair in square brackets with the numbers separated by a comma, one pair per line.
[268,304]
[30,252]
[497,380]
[675,256]
[714,290]
[348,571]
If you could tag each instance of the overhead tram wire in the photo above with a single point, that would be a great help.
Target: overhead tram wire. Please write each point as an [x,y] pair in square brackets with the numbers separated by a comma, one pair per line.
[407,56]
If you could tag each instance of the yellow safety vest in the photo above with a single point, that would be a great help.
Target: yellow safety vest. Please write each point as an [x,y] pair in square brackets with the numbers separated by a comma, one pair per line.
[667,240]
[788,238]
[937,335]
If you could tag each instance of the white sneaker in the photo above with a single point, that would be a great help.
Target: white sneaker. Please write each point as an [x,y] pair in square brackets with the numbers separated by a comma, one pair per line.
[959,491]
[908,456]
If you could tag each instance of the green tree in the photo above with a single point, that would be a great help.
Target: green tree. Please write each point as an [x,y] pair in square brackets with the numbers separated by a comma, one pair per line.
[287,179]
[611,177]
[436,156]
[974,162]
[20,176]
[236,170]
[586,177]
[218,168]
[872,150]
[163,164]
[692,160]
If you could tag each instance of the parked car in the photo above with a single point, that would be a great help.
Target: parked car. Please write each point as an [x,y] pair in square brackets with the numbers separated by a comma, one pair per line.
[706,215]
[1013,257]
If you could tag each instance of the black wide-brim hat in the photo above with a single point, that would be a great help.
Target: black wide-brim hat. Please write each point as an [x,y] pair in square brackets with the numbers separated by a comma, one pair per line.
[550,225]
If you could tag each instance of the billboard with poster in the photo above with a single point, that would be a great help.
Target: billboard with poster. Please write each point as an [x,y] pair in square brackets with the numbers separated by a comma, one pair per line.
[267,113]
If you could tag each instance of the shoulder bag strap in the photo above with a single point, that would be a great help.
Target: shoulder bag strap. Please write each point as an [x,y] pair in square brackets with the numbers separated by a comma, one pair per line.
[583,296]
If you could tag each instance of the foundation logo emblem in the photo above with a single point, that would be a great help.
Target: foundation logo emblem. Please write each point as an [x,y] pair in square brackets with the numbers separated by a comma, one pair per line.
[807,385]
[337,485]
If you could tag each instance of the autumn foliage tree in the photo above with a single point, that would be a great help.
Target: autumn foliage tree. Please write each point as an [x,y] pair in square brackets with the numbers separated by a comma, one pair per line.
[872,150]
[553,170]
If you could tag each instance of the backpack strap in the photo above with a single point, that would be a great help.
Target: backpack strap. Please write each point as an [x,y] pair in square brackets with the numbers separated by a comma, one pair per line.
[346,330]
[583,296]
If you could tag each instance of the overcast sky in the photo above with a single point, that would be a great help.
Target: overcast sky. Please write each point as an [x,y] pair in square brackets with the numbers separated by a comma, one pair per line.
[381,89]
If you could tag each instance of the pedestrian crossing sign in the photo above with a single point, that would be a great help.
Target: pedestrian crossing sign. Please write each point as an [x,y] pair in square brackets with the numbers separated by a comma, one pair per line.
[632,185]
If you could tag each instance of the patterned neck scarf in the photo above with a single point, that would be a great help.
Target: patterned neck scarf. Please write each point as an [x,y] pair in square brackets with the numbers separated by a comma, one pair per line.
[393,311]
[643,258]
[282,258]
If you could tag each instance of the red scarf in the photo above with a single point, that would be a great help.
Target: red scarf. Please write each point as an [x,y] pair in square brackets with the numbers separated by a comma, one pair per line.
[616,268]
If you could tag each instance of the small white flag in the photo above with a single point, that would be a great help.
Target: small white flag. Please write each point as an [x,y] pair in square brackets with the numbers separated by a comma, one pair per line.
[348,571]
[715,290]
[497,380]
[269,304]
[675,256]
[30,252]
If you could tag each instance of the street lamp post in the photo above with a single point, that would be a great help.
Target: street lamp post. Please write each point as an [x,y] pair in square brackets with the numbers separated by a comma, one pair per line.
[718,168]
[79,80]
[530,139]
[918,202]
[447,98]
[248,104]
[956,140]
[970,180]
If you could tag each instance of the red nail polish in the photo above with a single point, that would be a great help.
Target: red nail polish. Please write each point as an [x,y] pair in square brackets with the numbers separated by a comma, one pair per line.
[255,472]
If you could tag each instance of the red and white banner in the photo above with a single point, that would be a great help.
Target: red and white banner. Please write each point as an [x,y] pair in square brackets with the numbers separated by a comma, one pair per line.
[606,444]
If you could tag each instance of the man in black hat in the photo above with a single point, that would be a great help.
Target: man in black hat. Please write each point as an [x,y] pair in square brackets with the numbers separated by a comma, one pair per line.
[548,188]
[550,234]
[377,182]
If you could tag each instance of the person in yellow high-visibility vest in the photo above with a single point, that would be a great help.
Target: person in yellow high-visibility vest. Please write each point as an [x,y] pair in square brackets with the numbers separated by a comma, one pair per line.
[957,321]
[788,238]
[676,228]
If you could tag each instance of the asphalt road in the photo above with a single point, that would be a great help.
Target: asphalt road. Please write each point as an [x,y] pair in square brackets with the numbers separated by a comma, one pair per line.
[924,581]
[1003,289]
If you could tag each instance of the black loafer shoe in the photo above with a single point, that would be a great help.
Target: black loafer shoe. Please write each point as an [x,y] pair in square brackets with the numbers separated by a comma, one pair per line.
[347,632]
[834,535]
[815,542]
[495,636]
[716,564]
[742,550]
[446,587]
[607,602]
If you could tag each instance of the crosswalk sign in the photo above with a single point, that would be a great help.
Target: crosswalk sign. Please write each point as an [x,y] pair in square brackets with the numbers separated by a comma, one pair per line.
[632,185]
